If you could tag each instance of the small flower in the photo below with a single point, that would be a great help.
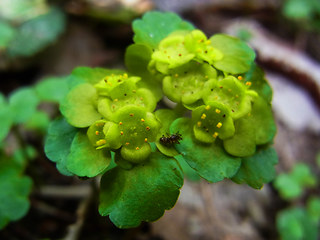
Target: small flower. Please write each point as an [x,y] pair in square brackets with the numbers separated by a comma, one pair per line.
[210,124]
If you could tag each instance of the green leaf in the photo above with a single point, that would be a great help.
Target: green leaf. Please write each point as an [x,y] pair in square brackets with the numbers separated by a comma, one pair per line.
[14,198]
[295,224]
[7,33]
[15,189]
[137,58]
[303,175]
[237,55]
[257,169]
[142,193]
[189,172]
[291,185]
[23,103]
[36,34]
[287,187]
[297,9]
[38,121]
[58,143]
[313,208]
[84,159]
[80,106]
[262,121]
[52,89]
[93,75]
[243,142]
[259,83]
[210,161]
[155,26]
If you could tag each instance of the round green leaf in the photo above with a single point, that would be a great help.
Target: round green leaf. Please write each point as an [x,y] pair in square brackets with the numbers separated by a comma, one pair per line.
[137,58]
[155,26]
[257,169]
[52,89]
[263,121]
[14,193]
[296,9]
[237,55]
[80,106]
[142,193]
[58,143]
[295,224]
[303,175]
[35,34]
[287,187]
[23,103]
[210,161]
[84,159]
[243,142]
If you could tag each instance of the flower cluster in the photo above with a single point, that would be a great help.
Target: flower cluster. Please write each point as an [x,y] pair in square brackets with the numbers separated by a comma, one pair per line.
[120,115]
[115,124]
[197,72]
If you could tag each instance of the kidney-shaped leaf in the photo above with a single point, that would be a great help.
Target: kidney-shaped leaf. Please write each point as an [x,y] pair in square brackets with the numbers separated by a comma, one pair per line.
[58,143]
[257,169]
[142,193]
[23,103]
[237,55]
[35,34]
[209,160]
[79,106]
[84,159]
[155,26]
[14,193]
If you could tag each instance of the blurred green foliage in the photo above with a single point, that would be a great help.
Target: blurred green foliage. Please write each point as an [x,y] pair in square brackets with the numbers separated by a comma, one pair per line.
[27,27]
[298,222]
[305,12]
[19,113]
[292,185]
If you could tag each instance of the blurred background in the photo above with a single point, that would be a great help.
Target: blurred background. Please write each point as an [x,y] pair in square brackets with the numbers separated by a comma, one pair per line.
[41,40]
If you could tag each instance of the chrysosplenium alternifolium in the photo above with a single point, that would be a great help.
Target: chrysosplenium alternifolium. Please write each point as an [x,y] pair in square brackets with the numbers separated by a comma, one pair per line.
[223,117]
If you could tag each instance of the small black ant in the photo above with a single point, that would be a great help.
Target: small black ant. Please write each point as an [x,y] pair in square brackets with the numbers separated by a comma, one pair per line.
[173,139]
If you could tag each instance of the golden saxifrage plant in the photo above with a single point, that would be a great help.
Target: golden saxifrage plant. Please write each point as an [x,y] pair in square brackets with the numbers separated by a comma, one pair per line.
[222,125]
